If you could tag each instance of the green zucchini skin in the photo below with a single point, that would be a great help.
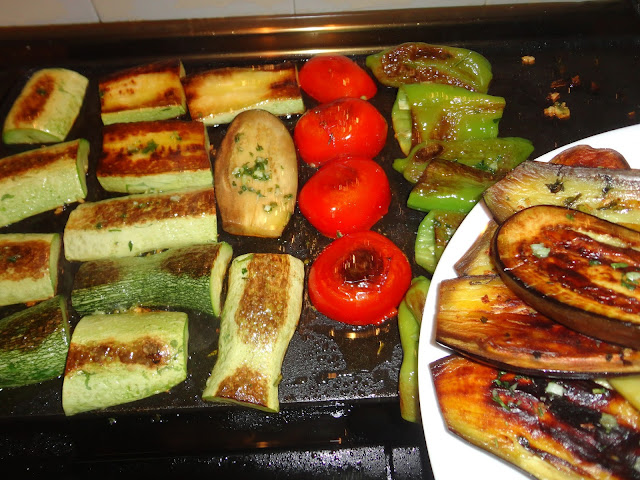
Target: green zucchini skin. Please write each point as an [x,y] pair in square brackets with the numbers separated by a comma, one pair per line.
[34,343]
[179,278]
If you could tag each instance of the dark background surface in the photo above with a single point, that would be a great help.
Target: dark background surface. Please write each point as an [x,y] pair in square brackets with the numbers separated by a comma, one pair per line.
[339,408]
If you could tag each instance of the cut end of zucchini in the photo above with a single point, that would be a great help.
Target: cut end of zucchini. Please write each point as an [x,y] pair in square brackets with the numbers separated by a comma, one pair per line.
[120,358]
[28,267]
[47,107]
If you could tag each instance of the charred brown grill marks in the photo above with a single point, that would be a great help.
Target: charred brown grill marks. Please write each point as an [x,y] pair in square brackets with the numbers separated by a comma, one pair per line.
[263,306]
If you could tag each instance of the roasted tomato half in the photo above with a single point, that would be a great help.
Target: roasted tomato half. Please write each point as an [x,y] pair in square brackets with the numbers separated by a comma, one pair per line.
[359,279]
[346,195]
[347,126]
[329,77]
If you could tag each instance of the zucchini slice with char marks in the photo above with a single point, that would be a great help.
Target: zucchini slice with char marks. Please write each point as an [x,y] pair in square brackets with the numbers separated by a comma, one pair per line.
[157,156]
[482,318]
[130,225]
[34,343]
[43,179]
[179,278]
[146,92]
[260,315]
[575,268]
[216,96]
[28,267]
[47,107]
[552,429]
[118,358]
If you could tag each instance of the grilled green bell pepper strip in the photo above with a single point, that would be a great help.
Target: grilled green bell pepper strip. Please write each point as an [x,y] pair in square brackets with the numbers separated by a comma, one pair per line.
[430,111]
[494,155]
[409,320]
[416,62]
[434,232]
[449,186]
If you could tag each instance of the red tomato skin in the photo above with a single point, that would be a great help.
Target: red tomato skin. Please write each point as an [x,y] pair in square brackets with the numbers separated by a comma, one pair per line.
[361,299]
[328,77]
[346,195]
[347,126]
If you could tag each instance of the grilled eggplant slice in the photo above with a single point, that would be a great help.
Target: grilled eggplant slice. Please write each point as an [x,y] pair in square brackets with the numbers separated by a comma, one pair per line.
[611,194]
[260,315]
[28,267]
[217,96]
[575,268]
[146,92]
[256,175]
[47,107]
[43,179]
[482,318]
[552,429]
[477,260]
[118,358]
[156,156]
[135,224]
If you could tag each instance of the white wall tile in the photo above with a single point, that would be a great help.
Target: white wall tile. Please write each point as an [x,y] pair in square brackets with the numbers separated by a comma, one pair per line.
[327,6]
[131,10]
[46,12]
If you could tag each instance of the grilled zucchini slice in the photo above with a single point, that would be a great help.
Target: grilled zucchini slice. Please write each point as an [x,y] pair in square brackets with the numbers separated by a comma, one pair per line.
[119,358]
[216,96]
[28,267]
[260,315]
[34,343]
[180,278]
[134,224]
[146,92]
[47,107]
[156,156]
[43,179]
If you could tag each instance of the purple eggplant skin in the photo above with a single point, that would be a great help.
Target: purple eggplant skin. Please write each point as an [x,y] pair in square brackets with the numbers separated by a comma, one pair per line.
[574,268]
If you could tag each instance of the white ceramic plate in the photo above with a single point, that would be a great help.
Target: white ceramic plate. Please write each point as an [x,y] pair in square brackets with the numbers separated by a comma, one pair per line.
[451,457]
